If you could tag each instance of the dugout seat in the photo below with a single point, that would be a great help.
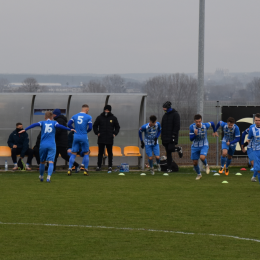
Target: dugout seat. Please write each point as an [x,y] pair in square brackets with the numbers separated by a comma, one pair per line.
[132,151]
[93,151]
[5,151]
[116,151]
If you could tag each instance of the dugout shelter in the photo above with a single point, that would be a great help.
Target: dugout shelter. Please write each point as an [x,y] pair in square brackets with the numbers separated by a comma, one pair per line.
[28,108]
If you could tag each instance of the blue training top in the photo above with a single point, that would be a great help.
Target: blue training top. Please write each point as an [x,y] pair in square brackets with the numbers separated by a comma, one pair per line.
[200,139]
[82,123]
[150,133]
[254,135]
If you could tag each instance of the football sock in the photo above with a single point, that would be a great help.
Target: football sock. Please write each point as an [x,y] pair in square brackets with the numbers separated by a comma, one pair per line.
[223,161]
[86,161]
[197,169]
[150,163]
[228,162]
[158,161]
[205,162]
[71,161]
[255,173]
[50,169]
[258,174]
[69,154]
[15,164]
[42,168]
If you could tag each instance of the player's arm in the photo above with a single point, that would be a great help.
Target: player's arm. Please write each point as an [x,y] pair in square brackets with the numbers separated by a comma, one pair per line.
[243,145]
[89,126]
[218,125]
[64,127]
[192,134]
[70,123]
[237,136]
[29,127]
[213,126]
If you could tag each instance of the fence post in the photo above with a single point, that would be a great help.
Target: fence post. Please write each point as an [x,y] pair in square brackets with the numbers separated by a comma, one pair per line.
[217,157]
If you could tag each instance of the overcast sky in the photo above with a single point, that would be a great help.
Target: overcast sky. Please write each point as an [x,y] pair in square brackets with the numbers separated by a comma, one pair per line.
[127,36]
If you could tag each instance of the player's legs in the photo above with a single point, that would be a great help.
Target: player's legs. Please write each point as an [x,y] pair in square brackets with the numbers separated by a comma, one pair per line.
[223,159]
[50,158]
[156,152]
[231,152]
[149,152]
[203,154]
[66,157]
[195,155]
[74,150]
[85,148]
[42,168]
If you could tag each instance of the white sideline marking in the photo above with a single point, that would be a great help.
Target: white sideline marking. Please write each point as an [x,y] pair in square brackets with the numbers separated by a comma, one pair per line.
[134,229]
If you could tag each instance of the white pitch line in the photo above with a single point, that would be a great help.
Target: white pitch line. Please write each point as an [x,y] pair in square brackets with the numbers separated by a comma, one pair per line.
[134,229]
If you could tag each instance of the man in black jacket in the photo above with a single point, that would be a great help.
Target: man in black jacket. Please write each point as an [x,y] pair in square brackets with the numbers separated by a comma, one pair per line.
[19,143]
[36,149]
[170,132]
[61,139]
[106,127]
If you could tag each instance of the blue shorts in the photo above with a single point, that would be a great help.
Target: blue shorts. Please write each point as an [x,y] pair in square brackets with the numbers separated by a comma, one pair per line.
[231,149]
[257,161]
[251,154]
[197,151]
[80,142]
[150,149]
[47,154]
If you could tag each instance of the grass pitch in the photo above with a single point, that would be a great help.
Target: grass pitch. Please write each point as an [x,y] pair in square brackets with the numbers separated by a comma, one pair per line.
[106,216]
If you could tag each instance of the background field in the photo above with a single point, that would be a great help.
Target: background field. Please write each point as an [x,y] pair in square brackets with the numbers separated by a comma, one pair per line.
[173,203]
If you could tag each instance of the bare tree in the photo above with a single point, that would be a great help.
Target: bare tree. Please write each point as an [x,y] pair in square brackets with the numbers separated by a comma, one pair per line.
[93,87]
[30,85]
[254,88]
[3,84]
[114,83]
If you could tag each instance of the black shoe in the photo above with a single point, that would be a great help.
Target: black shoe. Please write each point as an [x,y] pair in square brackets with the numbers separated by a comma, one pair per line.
[69,172]
[169,170]
[98,169]
[180,153]
[86,172]
[109,170]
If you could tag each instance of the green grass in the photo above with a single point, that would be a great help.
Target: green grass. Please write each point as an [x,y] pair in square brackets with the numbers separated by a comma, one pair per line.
[174,203]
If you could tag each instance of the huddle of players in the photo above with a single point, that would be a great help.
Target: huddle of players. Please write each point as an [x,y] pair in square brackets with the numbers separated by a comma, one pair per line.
[82,125]
[200,145]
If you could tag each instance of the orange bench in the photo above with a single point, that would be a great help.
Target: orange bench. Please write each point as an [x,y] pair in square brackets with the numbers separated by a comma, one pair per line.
[5,151]
[116,151]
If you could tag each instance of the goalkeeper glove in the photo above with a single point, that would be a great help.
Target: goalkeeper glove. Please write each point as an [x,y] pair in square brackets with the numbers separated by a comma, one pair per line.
[142,144]
[155,140]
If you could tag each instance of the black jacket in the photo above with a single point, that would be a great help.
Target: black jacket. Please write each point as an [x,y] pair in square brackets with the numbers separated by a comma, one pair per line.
[106,126]
[61,136]
[170,127]
[70,139]
[38,141]
[21,140]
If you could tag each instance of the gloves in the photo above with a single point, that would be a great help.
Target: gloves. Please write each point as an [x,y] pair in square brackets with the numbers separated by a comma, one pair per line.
[142,144]
[173,139]
[155,140]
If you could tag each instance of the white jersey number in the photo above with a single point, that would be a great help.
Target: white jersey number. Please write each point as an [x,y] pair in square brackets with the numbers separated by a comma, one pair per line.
[48,128]
[80,120]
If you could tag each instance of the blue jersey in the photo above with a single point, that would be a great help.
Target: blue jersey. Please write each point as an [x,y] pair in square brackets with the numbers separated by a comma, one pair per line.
[254,135]
[230,134]
[150,133]
[48,131]
[200,139]
[251,143]
[81,122]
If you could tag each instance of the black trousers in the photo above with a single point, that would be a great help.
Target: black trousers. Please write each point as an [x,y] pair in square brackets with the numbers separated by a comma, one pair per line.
[169,153]
[60,150]
[101,150]
[16,151]
[36,154]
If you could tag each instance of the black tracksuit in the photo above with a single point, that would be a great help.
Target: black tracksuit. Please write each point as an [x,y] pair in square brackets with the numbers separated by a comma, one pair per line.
[106,126]
[22,142]
[61,139]
[170,130]
[36,149]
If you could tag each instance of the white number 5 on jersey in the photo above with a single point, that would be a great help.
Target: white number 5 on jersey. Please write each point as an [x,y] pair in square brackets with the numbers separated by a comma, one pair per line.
[48,128]
[80,120]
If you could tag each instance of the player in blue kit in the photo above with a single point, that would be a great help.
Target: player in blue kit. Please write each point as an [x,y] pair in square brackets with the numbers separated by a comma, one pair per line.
[250,151]
[200,145]
[83,124]
[47,145]
[229,142]
[254,136]
[152,131]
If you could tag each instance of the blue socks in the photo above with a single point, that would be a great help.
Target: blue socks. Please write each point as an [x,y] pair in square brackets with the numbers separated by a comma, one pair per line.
[205,162]
[86,161]
[197,169]
[255,173]
[69,154]
[42,168]
[223,161]
[158,161]
[228,162]
[50,169]
[72,159]
[150,163]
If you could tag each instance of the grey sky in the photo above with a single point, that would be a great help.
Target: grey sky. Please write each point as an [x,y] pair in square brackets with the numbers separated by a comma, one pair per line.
[127,36]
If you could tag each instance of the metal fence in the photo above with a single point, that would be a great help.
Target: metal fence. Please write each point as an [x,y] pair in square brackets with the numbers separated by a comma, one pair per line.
[212,112]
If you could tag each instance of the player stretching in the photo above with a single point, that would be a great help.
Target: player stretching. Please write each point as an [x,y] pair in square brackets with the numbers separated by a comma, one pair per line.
[230,139]
[200,145]
[152,131]
[254,135]
[83,124]
[47,145]
[250,151]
